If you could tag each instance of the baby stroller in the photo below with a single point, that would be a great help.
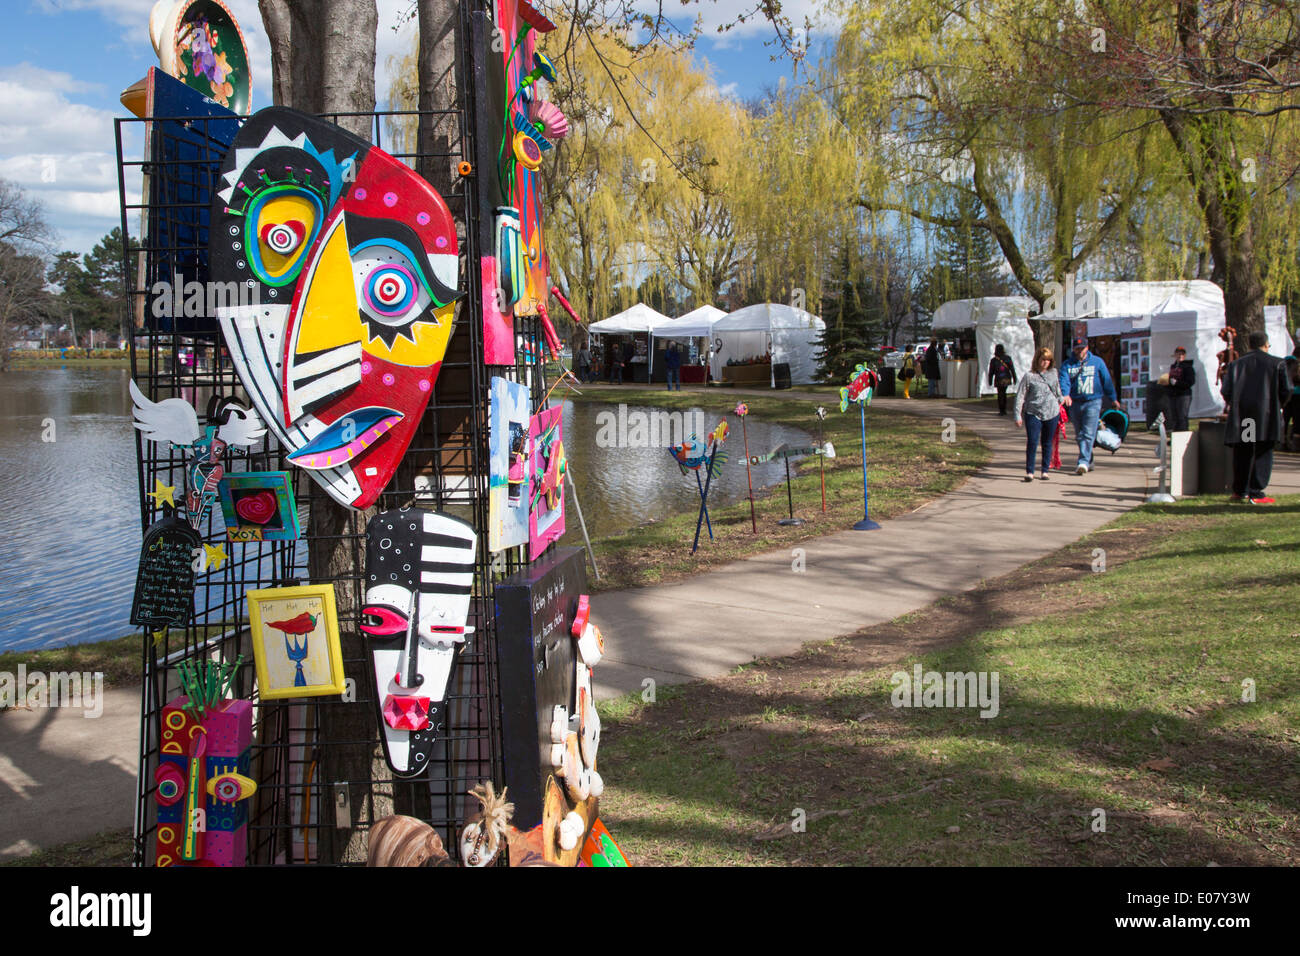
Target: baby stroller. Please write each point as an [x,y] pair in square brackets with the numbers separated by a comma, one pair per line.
[1112,429]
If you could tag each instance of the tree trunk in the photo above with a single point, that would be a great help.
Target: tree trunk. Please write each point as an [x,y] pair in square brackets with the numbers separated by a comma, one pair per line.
[323,61]
[439,84]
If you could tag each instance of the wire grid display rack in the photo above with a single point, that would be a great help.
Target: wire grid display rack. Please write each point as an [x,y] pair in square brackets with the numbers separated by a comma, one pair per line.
[317,761]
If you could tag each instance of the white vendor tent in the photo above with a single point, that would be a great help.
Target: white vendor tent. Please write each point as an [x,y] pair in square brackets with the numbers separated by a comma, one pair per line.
[997,320]
[697,322]
[791,334]
[1189,313]
[639,318]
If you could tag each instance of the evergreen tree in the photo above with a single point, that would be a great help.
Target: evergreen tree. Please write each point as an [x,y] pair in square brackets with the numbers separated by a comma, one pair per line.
[968,262]
[853,309]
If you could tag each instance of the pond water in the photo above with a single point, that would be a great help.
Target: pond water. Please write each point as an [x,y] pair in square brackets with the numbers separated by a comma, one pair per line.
[70,500]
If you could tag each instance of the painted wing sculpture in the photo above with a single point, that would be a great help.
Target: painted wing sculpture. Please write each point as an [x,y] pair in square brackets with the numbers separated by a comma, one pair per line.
[352,259]
[419,577]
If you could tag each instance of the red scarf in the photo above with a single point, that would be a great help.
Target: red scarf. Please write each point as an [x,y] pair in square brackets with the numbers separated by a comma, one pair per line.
[1056,439]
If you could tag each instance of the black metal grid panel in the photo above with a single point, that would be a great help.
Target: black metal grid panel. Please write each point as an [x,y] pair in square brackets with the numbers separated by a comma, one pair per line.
[300,746]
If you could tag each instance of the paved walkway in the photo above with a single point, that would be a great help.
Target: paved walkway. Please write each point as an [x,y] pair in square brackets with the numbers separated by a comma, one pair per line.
[64,777]
[759,607]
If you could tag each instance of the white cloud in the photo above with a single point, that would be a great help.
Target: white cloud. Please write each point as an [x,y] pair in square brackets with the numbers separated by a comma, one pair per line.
[37,77]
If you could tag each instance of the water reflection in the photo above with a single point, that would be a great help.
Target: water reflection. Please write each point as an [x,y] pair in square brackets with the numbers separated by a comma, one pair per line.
[72,508]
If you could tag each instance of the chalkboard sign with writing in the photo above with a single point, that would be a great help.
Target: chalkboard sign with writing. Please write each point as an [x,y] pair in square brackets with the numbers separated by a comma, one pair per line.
[534,610]
[164,584]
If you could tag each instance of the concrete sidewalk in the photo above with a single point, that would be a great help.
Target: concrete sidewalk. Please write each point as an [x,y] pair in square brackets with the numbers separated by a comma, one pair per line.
[761,607]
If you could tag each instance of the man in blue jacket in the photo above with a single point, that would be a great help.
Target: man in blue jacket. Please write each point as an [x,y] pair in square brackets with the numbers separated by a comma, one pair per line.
[1085,382]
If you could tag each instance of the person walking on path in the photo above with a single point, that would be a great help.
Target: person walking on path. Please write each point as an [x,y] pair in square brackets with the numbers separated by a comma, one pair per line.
[584,363]
[673,363]
[616,365]
[931,366]
[1182,376]
[908,371]
[1085,381]
[1254,388]
[1038,410]
[1002,375]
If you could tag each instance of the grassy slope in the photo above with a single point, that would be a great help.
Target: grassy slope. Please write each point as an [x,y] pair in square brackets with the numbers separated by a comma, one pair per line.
[1119,690]
[907,465]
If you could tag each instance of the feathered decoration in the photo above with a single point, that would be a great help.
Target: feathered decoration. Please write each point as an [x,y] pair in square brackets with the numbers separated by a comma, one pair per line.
[481,839]
[555,125]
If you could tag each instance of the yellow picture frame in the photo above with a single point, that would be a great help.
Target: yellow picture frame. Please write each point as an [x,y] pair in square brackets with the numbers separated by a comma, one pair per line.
[282,624]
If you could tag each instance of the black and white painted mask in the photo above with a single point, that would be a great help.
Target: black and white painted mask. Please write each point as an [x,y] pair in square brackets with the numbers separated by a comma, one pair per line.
[419,578]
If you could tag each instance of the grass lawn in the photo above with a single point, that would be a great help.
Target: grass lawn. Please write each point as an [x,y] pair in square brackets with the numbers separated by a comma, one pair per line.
[118,660]
[1120,691]
[907,465]
[112,848]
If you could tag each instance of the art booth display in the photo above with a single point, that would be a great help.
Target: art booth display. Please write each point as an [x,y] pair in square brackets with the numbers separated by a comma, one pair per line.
[419,581]
[352,261]
[295,637]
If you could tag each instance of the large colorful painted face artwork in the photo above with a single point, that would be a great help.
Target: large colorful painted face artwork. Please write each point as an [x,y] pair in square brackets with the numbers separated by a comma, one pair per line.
[547,467]
[419,578]
[351,261]
[510,480]
[199,42]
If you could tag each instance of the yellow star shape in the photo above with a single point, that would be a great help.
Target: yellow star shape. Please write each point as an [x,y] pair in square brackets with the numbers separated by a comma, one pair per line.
[159,637]
[162,493]
[216,556]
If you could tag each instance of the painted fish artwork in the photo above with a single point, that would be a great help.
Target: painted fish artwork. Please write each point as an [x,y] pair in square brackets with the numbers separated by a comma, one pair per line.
[419,579]
[352,259]
[860,388]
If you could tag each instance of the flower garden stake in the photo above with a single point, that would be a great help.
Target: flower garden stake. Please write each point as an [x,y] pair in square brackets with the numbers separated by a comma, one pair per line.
[742,410]
[859,391]
[821,457]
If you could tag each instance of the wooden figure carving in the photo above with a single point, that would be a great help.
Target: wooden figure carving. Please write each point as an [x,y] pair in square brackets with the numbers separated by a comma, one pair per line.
[419,574]
[352,259]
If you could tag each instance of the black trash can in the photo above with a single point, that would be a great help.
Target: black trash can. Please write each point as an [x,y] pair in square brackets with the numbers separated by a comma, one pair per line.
[1213,459]
[888,386]
[781,374]
[1157,401]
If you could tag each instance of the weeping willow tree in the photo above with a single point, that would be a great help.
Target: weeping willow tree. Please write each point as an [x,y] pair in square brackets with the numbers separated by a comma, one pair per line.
[929,84]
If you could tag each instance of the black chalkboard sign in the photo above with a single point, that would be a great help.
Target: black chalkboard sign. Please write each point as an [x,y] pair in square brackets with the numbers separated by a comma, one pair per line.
[535,653]
[164,584]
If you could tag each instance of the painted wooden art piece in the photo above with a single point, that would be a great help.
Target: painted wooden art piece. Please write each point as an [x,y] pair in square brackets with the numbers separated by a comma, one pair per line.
[419,579]
[200,42]
[509,481]
[600,850]
[520,130]
[229,425]
[547,644]
[352,261]
[202,782]
[546,467]
[859,391]
[259,506]
[295,637]
[164,581]
[694,455]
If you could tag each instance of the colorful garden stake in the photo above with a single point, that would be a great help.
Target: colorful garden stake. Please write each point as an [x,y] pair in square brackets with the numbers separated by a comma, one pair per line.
[742,411]
[859,391]
[693,455]
[821,459]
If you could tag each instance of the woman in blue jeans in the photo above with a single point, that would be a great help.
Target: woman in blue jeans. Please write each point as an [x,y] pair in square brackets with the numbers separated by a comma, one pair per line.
[1038,408]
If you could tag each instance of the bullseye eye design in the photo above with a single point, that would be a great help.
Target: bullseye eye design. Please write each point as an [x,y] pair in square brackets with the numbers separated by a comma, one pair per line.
[390,290]
[171,785]
[283,237]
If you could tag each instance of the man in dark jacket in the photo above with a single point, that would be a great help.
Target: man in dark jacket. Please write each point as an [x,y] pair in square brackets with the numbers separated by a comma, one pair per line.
[931,366]
[1254,389]
[1182,377]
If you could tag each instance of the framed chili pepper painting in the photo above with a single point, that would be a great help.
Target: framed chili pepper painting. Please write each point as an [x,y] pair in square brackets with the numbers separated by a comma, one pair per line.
[295,636]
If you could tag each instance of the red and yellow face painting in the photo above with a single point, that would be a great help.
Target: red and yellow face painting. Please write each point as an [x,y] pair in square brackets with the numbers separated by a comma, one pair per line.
[347,266]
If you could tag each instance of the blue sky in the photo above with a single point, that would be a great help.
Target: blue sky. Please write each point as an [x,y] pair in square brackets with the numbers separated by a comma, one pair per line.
[65,62]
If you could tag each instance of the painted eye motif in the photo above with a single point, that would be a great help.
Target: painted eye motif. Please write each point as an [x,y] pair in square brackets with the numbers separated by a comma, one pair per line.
[171,784]
[389,291]
[283,237]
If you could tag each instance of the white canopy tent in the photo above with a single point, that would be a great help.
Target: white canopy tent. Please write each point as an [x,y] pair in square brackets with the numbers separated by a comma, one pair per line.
[639,318]
[697,322]
[791,334]
[997,320]
[1189,313]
